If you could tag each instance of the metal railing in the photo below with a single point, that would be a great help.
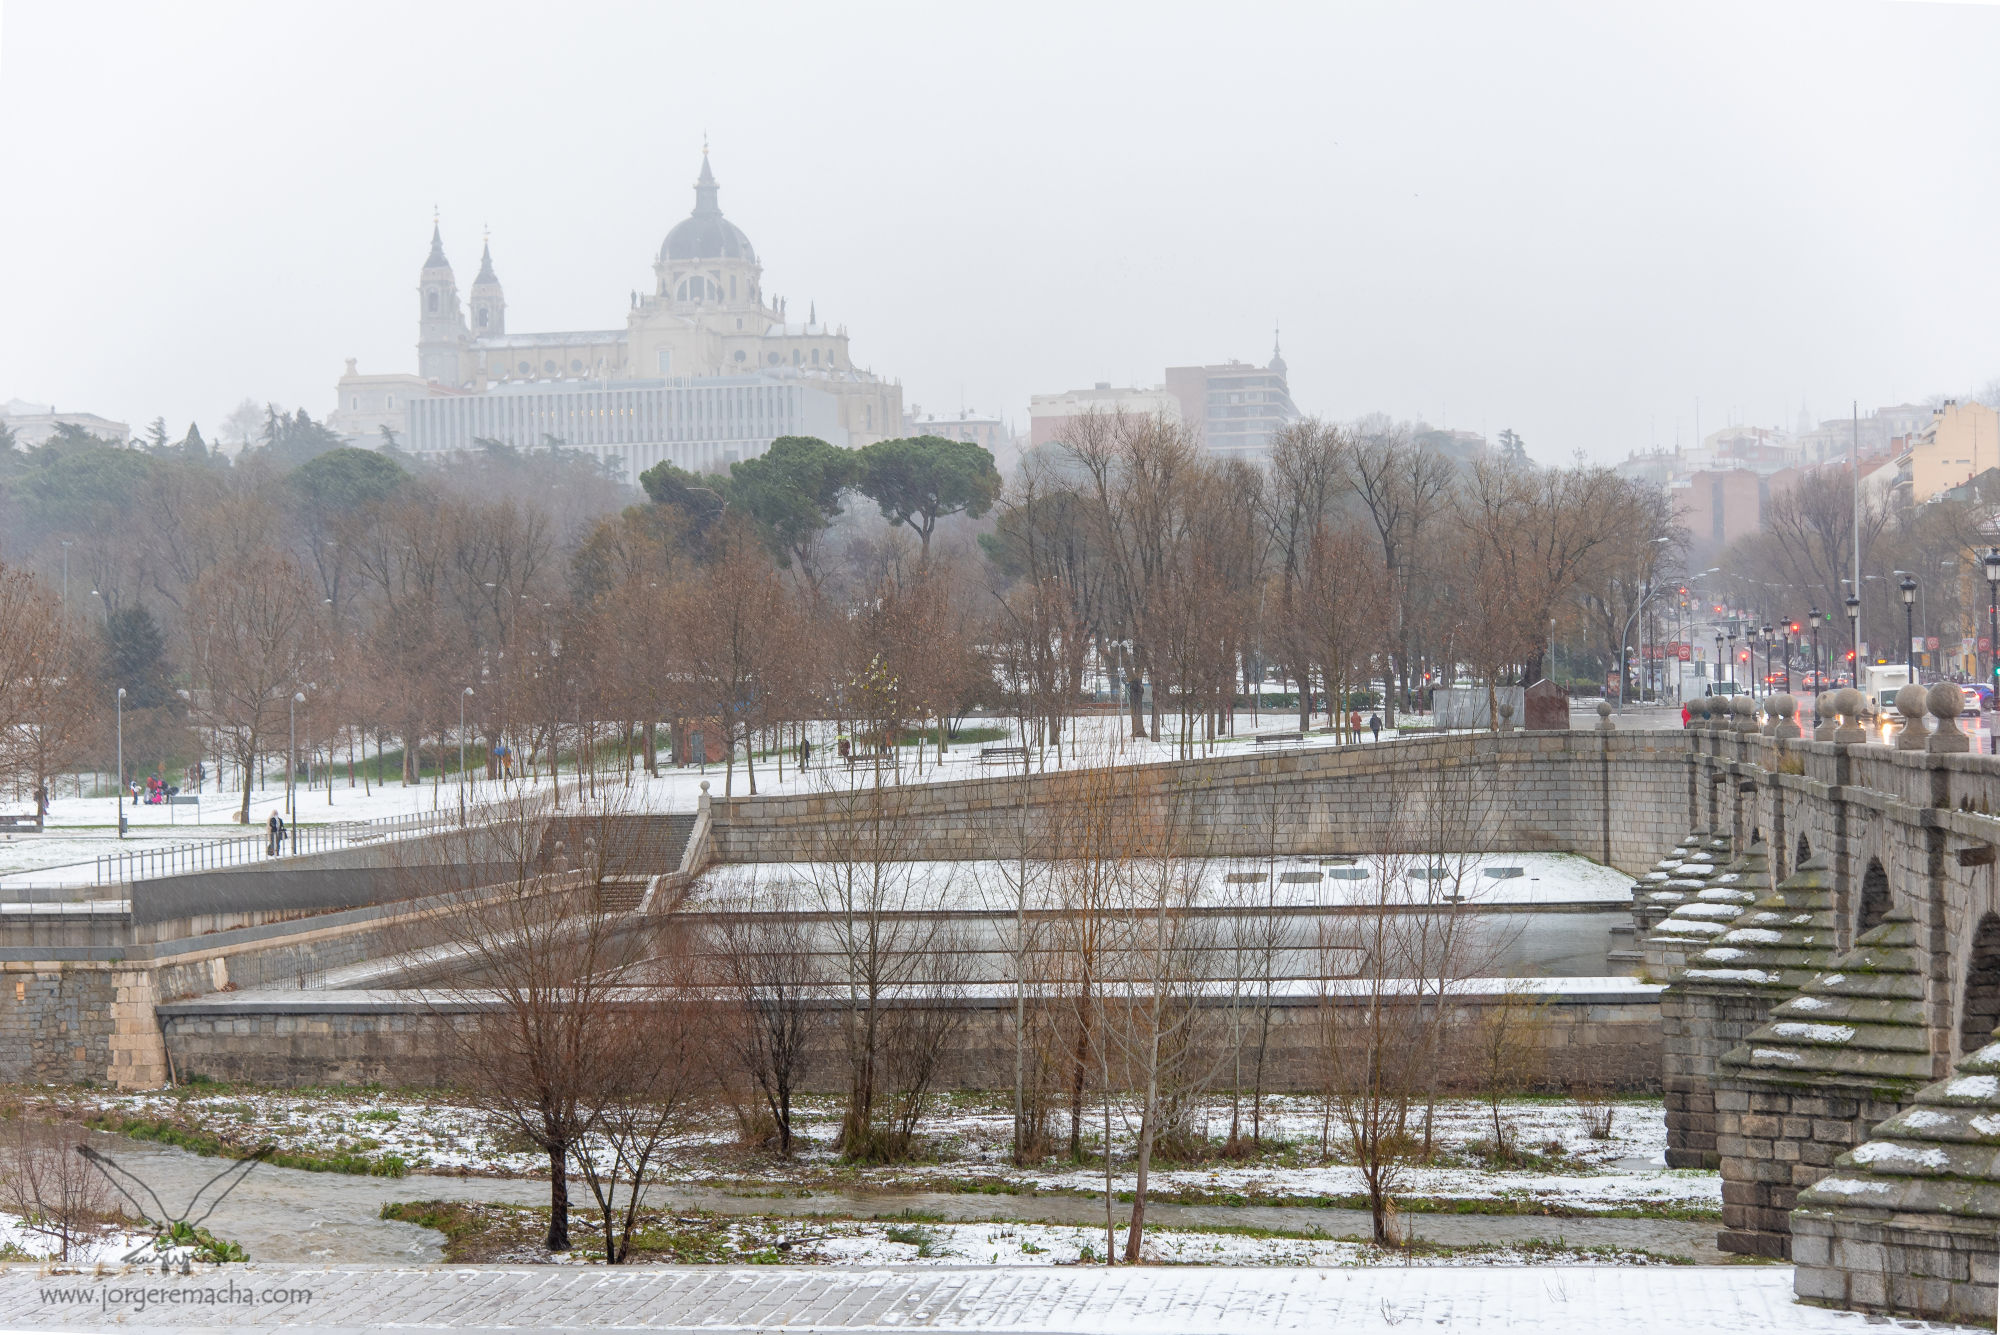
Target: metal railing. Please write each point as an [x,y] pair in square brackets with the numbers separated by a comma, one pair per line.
[299,841]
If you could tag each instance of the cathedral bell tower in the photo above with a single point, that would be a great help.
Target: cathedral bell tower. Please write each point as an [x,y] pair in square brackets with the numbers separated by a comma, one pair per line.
[489,306]
[441,332]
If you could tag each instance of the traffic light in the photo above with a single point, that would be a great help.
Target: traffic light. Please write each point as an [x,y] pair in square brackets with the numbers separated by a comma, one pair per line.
[1795,628]
[1850,655]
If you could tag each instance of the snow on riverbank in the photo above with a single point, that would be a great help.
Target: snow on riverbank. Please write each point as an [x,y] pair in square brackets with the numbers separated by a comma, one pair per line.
[968,1144]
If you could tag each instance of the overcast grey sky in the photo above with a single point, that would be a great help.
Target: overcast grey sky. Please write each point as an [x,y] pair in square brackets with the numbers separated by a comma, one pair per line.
[1571,219]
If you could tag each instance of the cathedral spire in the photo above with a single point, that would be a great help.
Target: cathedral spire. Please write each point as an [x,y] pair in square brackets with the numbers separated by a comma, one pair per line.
[705,188]
[437,259]
[486,274]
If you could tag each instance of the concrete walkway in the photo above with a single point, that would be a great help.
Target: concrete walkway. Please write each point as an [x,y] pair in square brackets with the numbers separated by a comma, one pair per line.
[1547,1300]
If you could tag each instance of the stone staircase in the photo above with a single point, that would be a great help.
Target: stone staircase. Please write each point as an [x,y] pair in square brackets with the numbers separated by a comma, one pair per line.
[637,848]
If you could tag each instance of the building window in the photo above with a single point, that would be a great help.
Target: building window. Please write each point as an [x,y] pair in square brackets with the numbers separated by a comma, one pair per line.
[548,366]
[739,354]
[815,356]
[525,368]
[666,361]
[575,365]
[482,317]
[795,356]
[392,400]
[434,301]
[869,412]
[774,359]
[356,405]
[732,294]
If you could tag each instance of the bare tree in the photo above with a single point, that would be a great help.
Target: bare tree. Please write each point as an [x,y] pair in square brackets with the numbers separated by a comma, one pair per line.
[763,961]
[650,1069]
[50,1187]
[530,996]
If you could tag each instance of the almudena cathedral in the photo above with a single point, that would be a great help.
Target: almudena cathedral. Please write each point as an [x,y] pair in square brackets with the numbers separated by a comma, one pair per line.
[707,369]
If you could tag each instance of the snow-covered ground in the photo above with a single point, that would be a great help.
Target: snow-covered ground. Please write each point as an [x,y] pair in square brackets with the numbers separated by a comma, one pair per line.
[969,1142]
[82,828]
[107,1244]
[1477,879]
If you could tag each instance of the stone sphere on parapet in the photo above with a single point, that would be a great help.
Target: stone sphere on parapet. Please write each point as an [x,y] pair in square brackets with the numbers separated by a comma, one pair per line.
[1849,702]
[1745,706]
[1604,709]
[1912,701]
[1946,699]
[1784,706]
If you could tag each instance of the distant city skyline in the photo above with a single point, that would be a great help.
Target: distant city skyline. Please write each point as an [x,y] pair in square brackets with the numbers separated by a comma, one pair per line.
[1589,220]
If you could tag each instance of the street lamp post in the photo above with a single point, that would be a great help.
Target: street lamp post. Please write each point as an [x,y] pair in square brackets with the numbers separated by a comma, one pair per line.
[1854,634]
[1770,639]
[461,753]
[1812,619]
[1992,564]
[121,762]
[1909,588]
[1732,653]
[292,760]
[1718,661]
[1791,632]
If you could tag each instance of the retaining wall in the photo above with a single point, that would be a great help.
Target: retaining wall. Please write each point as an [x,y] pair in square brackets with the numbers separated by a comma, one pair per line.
[1608,1039]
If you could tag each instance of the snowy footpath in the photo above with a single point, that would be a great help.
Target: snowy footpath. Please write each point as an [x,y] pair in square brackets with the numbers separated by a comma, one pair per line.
[1153,1300]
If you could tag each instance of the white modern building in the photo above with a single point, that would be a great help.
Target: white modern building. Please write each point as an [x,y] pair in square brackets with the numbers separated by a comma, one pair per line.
[630,425]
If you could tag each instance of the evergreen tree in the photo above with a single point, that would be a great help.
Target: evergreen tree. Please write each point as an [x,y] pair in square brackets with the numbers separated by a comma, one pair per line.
[193,446]
[135,657]
[156,435]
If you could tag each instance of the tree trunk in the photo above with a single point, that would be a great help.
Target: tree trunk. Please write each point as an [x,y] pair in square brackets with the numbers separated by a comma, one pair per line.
[558,1239]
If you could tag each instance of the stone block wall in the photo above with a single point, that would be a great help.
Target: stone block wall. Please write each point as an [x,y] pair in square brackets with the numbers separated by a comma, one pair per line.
[1607,1041]
[1621,798]
[1698,1025]
[1881,1266]
[1772,1142]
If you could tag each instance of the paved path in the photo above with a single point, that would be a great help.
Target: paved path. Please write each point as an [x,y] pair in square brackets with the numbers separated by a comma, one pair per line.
[1547,1300]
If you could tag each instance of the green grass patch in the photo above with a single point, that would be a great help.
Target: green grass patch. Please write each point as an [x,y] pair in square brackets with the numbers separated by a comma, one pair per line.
[210,1145]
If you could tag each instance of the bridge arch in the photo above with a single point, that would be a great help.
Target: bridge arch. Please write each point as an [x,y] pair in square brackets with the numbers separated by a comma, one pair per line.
[1979,1009]
[1804,851]
[1875,899]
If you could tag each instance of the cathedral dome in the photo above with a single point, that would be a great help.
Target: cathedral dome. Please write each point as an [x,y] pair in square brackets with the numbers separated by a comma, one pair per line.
[705,234]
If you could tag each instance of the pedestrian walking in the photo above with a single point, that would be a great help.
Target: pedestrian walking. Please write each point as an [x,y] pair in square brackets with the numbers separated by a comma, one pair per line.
[1686,715]
[805,753]
[1375,725]
[276,827]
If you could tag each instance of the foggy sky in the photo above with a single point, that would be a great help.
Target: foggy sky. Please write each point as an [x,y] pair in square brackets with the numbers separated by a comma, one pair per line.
[1574,220]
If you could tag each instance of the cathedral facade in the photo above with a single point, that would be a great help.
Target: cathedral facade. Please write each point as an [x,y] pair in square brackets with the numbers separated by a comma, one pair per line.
[655,389]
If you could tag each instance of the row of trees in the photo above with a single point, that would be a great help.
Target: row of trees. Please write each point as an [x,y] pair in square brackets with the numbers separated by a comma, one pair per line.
[1129,1002]
[740,606]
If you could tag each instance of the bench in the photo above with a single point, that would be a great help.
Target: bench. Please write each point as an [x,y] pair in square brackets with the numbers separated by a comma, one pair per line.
[184,800]
[1000,755]
[1260,738]
[854,758]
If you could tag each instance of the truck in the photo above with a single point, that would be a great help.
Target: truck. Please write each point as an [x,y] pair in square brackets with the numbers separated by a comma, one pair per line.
[1881,681]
